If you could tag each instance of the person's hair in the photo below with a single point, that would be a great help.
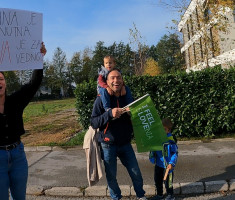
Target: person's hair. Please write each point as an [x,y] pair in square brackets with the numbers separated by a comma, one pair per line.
[5,80]
[167,123]
[2,73]
[110,57]
[114,69]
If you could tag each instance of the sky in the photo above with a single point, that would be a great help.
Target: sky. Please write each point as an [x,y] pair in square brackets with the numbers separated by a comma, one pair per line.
[74,25]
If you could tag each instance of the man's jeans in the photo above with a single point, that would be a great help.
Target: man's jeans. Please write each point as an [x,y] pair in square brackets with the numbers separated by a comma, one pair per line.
[128,159]
[13,173]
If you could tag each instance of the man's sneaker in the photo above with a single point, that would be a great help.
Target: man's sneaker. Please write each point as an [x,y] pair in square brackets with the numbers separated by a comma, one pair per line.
[142,198]
[157,197]
[170,197]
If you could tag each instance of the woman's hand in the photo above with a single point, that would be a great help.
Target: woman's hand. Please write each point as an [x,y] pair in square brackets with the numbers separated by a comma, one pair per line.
[43,49]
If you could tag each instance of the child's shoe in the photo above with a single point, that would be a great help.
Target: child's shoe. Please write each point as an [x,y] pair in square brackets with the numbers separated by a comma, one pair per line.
[170,197]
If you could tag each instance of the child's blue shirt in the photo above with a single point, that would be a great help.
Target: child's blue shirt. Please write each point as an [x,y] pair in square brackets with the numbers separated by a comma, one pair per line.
[168,156]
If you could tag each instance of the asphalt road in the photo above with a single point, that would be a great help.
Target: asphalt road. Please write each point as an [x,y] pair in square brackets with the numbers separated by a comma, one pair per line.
[230,196]
[197,161]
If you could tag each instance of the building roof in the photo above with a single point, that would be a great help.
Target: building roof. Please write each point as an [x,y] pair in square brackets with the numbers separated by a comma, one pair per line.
[188,12]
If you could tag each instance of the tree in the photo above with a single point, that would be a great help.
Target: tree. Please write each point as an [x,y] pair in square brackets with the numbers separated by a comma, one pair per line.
[123,57]
[175,5]
[169,55]
[152,52]
[139,50]
[50,79]
[12,80]
[98,58]
[24,76]
[88,69]
[151,67]
[69,82]
[60,68]
[75,67]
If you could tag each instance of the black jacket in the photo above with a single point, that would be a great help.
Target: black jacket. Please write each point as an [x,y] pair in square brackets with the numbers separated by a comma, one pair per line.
[112,131]
[11,121]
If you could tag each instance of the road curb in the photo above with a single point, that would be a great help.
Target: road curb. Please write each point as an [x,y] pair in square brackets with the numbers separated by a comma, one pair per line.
[48,148]
[232,185]
[79,147]
[64,191]
[192,188]
[128,191]
[37,148]
[216,186]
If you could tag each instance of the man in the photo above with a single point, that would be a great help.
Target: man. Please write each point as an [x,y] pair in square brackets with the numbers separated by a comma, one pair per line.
[115,137]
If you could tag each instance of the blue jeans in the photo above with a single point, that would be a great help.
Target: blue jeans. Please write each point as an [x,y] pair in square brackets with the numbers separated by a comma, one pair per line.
[13,173]
[128,159]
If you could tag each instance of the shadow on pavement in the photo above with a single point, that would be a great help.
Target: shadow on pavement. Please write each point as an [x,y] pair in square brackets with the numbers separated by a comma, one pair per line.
[227,176]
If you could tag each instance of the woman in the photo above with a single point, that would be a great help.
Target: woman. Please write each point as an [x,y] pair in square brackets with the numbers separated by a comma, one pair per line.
[13,162]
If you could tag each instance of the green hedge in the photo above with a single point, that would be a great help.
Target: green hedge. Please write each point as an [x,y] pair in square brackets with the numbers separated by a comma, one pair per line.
[199,103]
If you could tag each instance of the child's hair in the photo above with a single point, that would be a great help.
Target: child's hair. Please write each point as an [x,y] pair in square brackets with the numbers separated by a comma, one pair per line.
[110,57]
[167,123]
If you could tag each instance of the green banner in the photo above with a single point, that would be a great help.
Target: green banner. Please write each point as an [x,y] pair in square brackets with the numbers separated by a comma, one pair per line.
[148,130]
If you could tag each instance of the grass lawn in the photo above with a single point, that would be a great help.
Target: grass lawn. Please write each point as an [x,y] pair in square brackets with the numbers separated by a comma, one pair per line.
[44,108]
[52,122]
[74,141]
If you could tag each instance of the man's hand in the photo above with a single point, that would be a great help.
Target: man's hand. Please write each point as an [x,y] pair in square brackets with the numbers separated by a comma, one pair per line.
[126,109]
[109,91]
[116,112]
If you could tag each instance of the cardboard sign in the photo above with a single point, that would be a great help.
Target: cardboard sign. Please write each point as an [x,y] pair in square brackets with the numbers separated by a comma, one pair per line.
[20,40]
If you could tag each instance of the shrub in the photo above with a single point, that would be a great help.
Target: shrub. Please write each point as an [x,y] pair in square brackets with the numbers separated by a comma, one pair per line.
[199,103]
[85,94]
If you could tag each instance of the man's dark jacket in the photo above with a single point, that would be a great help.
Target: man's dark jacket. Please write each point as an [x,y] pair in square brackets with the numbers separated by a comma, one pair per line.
[112,131]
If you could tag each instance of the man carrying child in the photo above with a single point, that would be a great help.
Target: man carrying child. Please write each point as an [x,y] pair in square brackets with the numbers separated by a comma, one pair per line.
[116,132]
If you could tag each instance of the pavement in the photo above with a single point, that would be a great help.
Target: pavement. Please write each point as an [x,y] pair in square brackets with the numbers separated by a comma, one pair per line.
[202,168]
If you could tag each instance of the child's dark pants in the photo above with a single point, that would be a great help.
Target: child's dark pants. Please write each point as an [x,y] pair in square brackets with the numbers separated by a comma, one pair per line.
[158,178]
